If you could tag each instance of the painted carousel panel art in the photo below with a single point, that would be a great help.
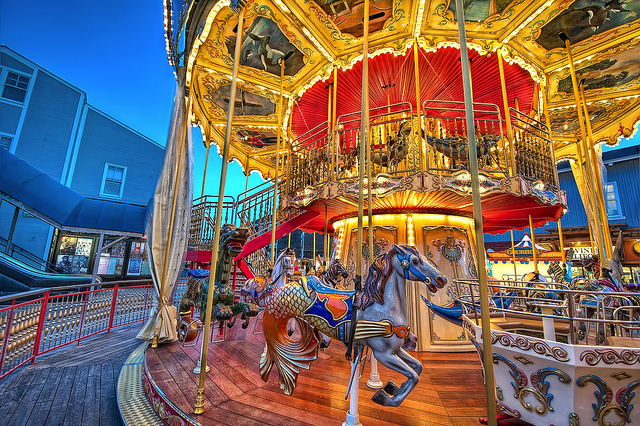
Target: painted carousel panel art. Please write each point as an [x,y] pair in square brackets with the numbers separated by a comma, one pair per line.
[449,247]
[347,15]
[479,10]
[384,237]
[246,103]
[619,70]
[265,46]
[586,18]
[257,139]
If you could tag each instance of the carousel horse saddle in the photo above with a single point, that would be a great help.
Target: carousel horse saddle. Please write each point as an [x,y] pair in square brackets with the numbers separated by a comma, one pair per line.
[334,306]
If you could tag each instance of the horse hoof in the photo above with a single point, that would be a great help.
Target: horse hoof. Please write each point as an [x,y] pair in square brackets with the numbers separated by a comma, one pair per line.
[381,397]
[391,388]
[324,345]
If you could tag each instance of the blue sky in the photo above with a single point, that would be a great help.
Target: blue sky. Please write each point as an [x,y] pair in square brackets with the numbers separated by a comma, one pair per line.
[115,52]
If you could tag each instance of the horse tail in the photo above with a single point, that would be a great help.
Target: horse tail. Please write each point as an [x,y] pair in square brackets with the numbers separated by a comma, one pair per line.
[287,354]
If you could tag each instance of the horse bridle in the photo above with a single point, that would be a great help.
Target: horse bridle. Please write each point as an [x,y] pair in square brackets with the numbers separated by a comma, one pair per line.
[407,267]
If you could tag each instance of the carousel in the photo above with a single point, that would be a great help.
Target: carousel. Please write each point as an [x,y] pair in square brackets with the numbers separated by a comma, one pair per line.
[402,131]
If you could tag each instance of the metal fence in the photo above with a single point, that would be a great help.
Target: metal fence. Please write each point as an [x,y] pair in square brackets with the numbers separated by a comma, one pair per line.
[40,321]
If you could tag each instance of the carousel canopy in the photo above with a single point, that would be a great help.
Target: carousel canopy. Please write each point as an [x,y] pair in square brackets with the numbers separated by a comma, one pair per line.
[314,36]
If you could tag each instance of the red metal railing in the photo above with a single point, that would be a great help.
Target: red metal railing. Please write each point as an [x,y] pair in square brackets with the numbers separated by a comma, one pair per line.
[40,321]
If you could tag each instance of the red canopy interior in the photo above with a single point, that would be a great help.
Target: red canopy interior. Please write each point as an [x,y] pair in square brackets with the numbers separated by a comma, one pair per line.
[440,79]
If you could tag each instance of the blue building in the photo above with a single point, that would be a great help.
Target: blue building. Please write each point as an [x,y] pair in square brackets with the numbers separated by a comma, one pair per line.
[48,123]
[623,209]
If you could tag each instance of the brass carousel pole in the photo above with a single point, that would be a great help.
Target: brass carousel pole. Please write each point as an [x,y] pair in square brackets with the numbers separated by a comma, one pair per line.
[416,73]
[326,207]
[206,162]
[274,215]
[513,258]
[533,248]
[598,178]
[334,153]
[477,219]
[374,381]
[564,257]
[326,236]
[246,180]
[353,417]
[288,187]
[555,168]
[582,145]
[505,104]
[199,405]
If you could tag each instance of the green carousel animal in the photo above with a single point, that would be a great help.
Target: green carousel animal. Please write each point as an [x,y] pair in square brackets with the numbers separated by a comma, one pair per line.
[232,240]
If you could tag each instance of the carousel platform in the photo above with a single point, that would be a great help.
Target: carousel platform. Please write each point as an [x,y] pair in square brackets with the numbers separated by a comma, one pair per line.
[450,392]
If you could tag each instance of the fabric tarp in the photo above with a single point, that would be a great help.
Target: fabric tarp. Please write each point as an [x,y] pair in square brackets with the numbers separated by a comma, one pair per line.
[61,206]
[164,247]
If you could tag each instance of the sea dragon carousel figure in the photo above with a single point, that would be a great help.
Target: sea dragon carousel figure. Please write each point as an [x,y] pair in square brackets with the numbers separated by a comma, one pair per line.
[258,290]
[381,320]
[232,240]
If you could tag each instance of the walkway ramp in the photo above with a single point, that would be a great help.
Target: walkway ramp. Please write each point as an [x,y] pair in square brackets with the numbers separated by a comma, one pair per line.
[264,239]
[60,206]
[75,385]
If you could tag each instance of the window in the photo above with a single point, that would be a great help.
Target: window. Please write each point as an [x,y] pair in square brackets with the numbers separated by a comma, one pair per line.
[15,87]
[611,199]
[113,180]
[5,142]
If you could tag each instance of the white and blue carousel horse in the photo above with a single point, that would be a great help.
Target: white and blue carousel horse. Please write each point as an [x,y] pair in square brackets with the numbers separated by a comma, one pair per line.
[381,320]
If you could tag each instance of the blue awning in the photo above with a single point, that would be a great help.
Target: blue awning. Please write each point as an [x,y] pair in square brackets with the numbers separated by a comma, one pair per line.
[62,207]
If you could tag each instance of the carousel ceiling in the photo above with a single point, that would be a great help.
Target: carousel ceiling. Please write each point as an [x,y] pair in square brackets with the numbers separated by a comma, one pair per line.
[314,36]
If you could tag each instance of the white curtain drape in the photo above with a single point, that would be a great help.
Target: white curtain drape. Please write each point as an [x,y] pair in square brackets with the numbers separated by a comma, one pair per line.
[163,316]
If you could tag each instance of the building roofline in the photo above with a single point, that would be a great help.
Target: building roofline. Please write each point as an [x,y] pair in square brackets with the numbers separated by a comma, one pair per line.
[32,64]
[115,120]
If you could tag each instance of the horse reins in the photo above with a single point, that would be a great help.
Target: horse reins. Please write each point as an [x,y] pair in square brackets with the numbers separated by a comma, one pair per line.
[407,267]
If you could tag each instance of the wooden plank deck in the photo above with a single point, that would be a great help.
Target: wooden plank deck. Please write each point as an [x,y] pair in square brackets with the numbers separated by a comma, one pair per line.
[72,386]
[450,392]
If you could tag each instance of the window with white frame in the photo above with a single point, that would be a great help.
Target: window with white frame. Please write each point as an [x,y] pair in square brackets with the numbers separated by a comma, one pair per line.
[113,180]
[612,200]
[15,86]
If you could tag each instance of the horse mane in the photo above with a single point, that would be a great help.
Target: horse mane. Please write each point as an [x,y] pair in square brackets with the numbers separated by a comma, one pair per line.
[373,290]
